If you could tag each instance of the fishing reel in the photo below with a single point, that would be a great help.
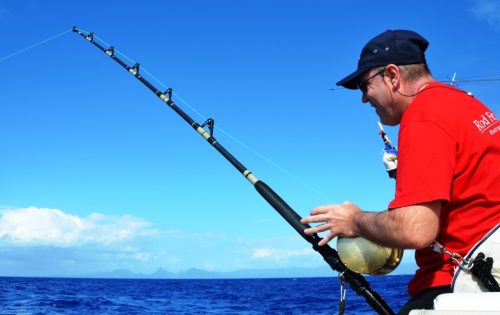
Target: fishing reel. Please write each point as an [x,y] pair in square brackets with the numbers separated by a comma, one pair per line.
[390,155]
[363,256]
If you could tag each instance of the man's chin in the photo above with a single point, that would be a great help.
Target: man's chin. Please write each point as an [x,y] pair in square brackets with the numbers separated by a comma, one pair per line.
[387,121]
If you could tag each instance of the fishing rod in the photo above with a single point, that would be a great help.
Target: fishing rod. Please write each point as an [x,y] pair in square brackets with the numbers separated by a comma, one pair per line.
[330,255]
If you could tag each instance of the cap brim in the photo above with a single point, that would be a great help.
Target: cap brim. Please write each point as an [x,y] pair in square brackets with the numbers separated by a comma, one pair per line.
[351,80]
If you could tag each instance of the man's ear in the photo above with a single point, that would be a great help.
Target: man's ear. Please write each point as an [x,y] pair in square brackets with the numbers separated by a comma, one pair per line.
[392,71]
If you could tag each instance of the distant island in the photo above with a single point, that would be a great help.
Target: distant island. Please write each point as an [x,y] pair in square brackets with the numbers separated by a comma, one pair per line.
[195,273]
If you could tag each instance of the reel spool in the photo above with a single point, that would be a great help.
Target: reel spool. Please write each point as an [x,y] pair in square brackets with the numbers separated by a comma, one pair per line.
[363,256]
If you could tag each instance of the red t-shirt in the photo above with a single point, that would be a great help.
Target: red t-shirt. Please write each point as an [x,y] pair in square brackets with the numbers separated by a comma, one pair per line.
[449,150]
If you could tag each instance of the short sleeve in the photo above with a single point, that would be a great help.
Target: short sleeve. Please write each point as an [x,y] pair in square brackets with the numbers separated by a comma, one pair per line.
[425,164]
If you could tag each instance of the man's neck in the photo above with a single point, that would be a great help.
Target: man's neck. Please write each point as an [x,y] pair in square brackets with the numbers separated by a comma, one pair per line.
[416,87]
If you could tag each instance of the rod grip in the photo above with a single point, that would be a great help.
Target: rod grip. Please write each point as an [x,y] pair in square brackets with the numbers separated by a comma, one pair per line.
[284,210]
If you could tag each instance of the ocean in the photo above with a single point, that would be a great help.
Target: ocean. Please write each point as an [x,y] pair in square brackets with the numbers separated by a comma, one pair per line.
[213,296]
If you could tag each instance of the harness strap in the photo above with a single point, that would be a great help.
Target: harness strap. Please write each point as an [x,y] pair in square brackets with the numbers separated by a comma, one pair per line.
[478,266]
[462,262]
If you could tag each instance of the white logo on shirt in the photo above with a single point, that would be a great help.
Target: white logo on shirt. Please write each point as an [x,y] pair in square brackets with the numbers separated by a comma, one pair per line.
[487,120]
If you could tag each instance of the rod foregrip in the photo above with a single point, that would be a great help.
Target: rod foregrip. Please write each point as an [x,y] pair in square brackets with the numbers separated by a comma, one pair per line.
[328,253]
[283,209]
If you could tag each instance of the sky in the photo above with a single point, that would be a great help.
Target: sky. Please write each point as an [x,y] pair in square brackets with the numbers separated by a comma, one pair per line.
[97,174]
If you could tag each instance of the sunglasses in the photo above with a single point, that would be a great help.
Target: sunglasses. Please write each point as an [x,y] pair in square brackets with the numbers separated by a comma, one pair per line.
[363,85]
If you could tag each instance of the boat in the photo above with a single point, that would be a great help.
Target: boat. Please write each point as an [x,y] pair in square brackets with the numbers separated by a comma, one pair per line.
[484,303]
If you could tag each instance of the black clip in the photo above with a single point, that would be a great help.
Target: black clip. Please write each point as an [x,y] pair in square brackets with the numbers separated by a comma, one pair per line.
[210,123]
[168,93]
[136,68]
[75,29]
[90,37]
[111,51]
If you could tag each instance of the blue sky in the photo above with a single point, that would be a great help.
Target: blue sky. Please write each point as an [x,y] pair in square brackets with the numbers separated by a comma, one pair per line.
[98,174]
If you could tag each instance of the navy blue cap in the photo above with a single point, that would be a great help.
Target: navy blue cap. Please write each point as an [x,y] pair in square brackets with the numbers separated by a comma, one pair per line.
[399,47]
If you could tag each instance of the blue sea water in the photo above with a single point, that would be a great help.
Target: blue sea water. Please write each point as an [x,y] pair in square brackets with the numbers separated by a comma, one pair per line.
[214,296]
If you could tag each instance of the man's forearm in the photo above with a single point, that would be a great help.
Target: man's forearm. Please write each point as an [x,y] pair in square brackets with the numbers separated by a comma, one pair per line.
[408,227]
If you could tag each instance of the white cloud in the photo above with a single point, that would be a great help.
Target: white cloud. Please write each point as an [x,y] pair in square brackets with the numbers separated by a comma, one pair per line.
[53,227]
[209,265]
[262,253]
[277,254]
[489,11]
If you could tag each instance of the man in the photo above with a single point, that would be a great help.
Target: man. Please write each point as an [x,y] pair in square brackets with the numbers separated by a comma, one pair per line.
[448,177]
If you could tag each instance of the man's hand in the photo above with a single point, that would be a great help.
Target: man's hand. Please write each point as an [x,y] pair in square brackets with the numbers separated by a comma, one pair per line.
[338,219]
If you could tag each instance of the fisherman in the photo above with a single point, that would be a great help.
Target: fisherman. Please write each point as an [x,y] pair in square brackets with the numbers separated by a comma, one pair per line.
[448,177]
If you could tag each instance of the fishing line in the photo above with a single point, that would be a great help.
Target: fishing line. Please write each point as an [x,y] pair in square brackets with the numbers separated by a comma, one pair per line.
[472,80]
[34,45]
[246,146]
[263,157]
